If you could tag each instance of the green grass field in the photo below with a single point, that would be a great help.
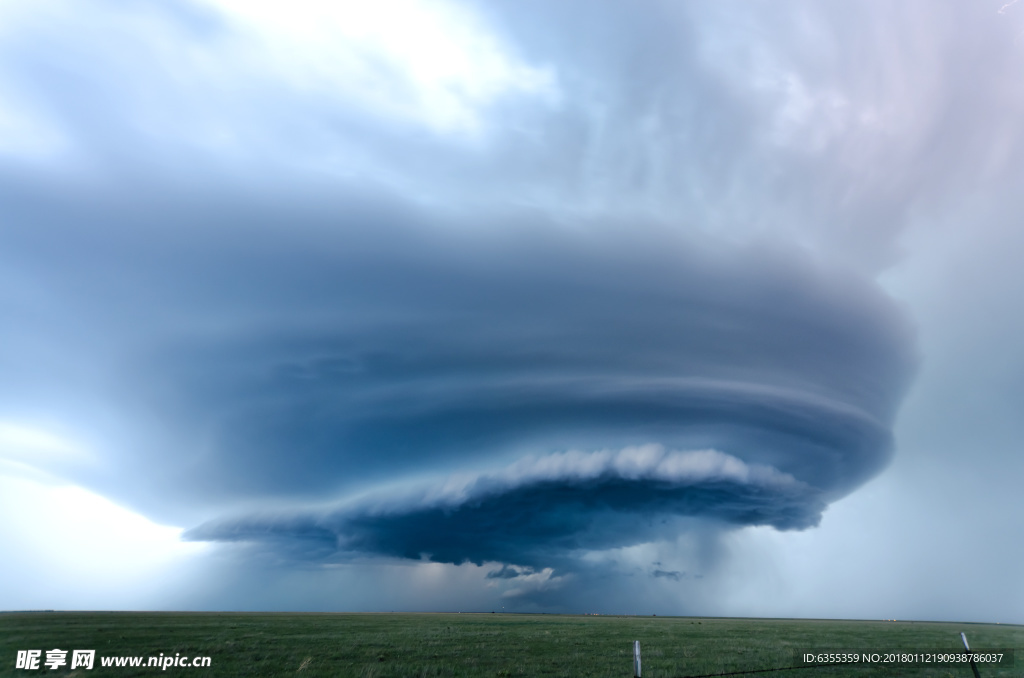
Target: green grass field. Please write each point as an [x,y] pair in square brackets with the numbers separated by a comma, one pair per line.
[479,645]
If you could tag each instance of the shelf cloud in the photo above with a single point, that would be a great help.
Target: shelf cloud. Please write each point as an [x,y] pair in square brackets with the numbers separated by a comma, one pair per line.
[541,511]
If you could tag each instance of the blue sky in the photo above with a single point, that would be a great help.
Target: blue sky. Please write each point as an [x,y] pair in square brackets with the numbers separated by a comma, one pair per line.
[705,308]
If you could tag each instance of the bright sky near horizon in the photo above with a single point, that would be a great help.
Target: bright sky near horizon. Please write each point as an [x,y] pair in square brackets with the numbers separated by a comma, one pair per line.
[680,308]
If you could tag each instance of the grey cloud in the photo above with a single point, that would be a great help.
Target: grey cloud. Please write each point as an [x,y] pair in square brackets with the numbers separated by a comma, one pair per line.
[741,118]
[507,571]
[674,113]
[249,335]
[367,343]
[674,575]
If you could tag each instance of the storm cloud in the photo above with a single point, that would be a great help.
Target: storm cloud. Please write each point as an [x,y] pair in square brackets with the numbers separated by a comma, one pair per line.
[538,512]
[587,280]
[369,343]
[432,358]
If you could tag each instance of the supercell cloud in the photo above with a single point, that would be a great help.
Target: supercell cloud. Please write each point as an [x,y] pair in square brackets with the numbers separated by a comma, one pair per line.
[589,386]
[586,279]
[541,396]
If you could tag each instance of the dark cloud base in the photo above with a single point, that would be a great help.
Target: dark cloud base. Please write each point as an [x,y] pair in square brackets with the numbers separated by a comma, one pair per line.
[523,525]
[536,522]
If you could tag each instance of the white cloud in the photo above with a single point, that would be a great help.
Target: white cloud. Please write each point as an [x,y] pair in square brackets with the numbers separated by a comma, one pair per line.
[82,551]
[27,134]
[90,552]
[32,452]
[432,63]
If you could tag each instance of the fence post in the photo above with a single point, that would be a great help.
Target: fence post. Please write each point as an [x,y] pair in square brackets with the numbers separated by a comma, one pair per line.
[636,659]
[970,655]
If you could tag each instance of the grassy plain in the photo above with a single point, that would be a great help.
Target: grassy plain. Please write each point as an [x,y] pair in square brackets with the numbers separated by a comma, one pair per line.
[482,645]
